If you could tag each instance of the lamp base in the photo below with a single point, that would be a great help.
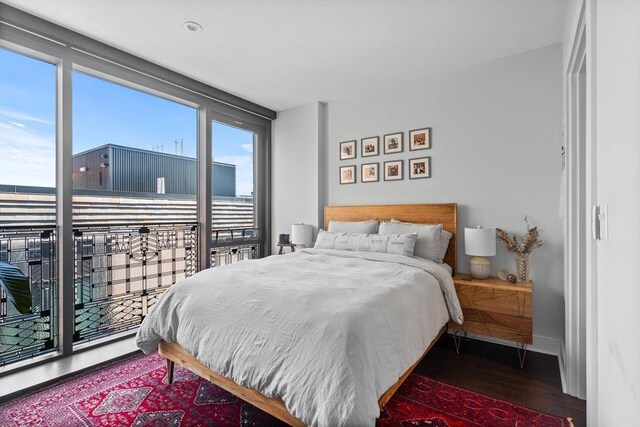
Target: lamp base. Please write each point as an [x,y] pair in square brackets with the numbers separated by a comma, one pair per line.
[480,267]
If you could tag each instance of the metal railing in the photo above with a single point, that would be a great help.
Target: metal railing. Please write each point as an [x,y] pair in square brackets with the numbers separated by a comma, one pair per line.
[120,272]
[233,245]
[32,250]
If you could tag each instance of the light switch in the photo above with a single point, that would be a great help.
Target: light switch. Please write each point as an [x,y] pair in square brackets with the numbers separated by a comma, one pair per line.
[603,220]
[600,222]
[595,222]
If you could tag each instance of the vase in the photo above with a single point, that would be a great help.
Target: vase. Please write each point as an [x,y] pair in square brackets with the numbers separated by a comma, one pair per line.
[522,267]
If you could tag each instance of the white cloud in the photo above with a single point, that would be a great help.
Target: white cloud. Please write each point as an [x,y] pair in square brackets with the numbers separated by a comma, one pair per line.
[244,172]
[26,158]
[18,125]
[17,115]
[247,147]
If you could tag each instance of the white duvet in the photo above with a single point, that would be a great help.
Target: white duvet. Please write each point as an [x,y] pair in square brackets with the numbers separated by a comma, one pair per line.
[326,331]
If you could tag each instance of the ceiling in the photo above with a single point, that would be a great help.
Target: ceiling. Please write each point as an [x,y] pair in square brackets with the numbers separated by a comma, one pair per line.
[285,53]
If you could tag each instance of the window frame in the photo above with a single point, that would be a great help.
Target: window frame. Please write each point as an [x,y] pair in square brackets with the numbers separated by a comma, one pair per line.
[69,51]
[261,167]
[41,50]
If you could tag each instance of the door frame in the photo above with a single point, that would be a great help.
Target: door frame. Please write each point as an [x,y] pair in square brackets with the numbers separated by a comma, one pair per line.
[580,252]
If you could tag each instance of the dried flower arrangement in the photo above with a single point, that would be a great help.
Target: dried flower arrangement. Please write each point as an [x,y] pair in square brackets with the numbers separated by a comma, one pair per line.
[527,245]
[522,248]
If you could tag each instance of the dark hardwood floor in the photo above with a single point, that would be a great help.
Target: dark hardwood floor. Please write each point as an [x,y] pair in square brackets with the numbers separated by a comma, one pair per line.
[494,370]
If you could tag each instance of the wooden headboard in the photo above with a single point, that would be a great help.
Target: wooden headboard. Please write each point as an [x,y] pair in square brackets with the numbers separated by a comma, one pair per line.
[441,213]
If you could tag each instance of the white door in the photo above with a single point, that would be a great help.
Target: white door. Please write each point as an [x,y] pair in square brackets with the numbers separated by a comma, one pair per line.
[616,301]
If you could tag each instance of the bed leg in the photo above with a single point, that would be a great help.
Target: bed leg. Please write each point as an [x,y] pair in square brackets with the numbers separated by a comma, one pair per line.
[170,365]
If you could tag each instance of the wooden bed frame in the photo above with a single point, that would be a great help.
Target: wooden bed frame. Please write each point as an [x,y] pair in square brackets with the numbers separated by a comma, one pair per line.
[440,213]
[419,213]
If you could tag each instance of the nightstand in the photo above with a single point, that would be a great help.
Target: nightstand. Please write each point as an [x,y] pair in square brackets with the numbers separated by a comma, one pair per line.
[291,246]
[495,308]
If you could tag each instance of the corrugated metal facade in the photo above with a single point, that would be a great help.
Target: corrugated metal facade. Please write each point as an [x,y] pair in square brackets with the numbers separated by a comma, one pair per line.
[137,171]
[90,171]
[223,177]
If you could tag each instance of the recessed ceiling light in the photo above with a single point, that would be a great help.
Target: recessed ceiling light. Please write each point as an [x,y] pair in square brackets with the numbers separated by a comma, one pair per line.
[192,26]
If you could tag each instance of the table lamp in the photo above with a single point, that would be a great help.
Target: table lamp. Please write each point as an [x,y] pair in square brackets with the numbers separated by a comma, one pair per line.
[480,243]
[301,235]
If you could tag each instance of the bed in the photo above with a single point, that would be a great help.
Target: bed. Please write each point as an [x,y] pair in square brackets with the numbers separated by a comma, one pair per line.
[317,337]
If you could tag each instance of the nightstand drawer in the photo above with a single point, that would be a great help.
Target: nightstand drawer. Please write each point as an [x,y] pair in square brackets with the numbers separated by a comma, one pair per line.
[495,300]
[498,325]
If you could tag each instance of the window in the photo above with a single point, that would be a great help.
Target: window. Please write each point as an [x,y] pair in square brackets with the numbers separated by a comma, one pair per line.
[27,200]
[233,203]
[132,214]
[134,182]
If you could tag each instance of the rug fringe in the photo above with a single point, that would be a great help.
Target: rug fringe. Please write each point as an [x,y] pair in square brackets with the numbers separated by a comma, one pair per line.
[570,420]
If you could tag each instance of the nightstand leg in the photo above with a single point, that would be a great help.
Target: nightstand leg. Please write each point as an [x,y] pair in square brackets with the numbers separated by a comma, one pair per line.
[522,353]
[456,340]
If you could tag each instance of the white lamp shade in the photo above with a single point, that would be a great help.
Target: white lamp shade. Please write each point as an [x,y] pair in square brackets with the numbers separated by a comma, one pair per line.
[480,241]
[301,235]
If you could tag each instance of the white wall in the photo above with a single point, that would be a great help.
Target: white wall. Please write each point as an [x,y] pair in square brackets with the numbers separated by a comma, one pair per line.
[613,316]
[496,133]
[297,175]
[617,81]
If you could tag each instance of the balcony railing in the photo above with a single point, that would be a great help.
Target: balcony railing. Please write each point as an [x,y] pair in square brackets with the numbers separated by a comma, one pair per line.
[32,250]
[233,245]
[120,272]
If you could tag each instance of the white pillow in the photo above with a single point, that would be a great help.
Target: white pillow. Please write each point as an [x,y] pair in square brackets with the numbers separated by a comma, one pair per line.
[445,237]
[428,242]
[401,244]
[363,227]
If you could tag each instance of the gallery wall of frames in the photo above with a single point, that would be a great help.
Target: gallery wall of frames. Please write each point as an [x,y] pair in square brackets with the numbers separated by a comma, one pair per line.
[393,144]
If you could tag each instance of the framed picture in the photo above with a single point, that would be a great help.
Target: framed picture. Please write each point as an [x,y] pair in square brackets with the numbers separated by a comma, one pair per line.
[420,139]
[369,146]
[393,170]
[420,168]
[393,143]
[348,174]
[348,150]
[369,172]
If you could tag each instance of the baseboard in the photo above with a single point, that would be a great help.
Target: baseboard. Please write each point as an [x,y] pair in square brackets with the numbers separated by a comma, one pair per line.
[561,365]
[540,344]
[547,345]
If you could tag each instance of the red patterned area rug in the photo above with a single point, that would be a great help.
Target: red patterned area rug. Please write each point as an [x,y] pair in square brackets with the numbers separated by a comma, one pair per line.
[135,392]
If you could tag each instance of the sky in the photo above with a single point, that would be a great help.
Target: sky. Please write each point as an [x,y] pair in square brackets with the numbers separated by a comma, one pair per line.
[103,113]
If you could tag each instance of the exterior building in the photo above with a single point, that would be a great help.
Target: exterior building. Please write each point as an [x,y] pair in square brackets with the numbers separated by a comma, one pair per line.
[124,169]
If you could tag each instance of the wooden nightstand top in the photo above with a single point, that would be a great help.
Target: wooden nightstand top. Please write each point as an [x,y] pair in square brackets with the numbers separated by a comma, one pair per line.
[493,282]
